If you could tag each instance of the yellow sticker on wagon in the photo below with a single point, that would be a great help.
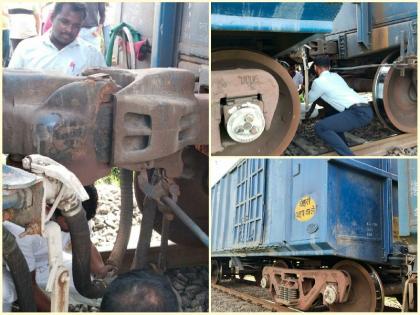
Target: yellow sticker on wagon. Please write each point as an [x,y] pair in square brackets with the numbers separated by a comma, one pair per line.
[305,209]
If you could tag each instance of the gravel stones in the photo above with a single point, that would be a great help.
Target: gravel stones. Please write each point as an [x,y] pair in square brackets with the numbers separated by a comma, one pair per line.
[192,285]
[372,132]
[107,217]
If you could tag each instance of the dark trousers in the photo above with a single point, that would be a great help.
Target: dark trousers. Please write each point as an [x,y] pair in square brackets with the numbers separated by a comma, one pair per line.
[332,128]
[15,42]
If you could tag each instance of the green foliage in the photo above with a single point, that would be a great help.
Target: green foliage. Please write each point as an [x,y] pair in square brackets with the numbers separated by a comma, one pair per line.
[302,98]
[112,179]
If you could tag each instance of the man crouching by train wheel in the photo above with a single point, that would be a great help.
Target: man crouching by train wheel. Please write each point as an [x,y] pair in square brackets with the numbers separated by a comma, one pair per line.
[349,109]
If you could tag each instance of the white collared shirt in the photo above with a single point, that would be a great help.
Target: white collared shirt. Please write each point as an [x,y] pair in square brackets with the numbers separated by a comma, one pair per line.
[39,53]
[334,90]
[298,79]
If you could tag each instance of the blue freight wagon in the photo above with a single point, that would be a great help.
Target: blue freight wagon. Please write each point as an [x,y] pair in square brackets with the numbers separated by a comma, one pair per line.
[335,223]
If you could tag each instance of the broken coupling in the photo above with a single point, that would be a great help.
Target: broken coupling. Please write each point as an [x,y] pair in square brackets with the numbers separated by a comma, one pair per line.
[246,122]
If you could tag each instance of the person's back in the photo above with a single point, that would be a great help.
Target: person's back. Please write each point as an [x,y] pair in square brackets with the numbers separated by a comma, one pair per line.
[336,90]
[140,291]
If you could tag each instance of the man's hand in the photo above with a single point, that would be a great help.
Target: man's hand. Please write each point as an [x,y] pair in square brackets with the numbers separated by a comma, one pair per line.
[104,271]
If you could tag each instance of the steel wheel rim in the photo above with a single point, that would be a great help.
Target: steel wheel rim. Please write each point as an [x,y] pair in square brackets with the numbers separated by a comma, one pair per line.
[362,295]
[215,272]
[400,99]
[380,295]
[377,91]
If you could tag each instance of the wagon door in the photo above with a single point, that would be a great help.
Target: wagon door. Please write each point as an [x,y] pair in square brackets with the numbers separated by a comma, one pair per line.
[249,203]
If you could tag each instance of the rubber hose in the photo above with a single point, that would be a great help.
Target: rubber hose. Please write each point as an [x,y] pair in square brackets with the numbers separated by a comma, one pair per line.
[20,272]
[126,214]
[81,246]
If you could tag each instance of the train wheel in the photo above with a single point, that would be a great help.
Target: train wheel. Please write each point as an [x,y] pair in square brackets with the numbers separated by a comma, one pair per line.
[378,91]
[400,99]
[258,278]
[193,198]
[363,296]
[286,115]
[395,96]
[379,289]
[215,272]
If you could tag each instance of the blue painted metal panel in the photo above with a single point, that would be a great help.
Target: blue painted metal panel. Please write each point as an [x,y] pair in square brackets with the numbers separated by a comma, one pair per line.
[164,39]
[274,17]
[316,11]
[381,14]
[257,24]
[351,216]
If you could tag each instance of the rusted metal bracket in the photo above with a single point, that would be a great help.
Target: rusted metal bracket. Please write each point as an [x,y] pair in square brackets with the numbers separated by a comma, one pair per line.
[133,119]
[300,288]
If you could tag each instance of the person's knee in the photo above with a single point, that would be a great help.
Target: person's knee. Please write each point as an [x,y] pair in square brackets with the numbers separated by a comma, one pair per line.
[320,128]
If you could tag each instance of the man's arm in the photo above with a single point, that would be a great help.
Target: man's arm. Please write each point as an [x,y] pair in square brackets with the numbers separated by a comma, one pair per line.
[315,92]
[42,301]
[97,265]
[101,10]
[37,17]
[17,61]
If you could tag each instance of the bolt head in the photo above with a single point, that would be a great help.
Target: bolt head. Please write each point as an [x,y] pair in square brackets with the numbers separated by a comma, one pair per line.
[247,126]
[249,118]
[239,130]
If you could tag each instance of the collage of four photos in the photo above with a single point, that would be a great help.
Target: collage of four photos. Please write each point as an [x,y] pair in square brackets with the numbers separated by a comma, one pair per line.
[209,156]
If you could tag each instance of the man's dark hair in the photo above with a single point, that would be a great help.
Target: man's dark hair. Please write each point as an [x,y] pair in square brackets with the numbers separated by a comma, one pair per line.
[91,204]
[78,7]
[322,61]
[140,291]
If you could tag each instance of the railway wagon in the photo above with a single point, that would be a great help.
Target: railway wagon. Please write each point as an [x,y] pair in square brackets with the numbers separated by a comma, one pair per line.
[317,232]
[372,45]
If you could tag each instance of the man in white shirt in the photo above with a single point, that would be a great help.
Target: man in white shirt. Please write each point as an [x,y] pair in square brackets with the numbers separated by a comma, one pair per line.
[59,50]
[351,110]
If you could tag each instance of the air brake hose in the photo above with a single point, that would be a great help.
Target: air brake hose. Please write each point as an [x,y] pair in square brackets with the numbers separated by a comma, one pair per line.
[20,272]
[126,214]
[81,247]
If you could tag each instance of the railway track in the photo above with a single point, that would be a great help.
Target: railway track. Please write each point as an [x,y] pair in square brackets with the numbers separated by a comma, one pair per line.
[266,304]
[253,295]
[373,140]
